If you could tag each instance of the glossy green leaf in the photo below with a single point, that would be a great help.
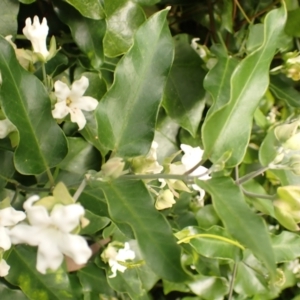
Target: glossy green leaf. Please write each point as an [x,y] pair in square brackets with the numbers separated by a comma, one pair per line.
[96,223]
[27,1]
[217,80]
[87,33]
[7,168]
[88,8]
[228,129]
[292,26]
[42,143]
[184,93]
[97,88]
[286,246]
[284,89]
[241,222]
[250,278]
[93,281]
[123,18]
[209,287]
[11,294]
[82,157]
[269,148]
[207,217]
[129,283]
[166,137]
[8,17]
[214,242]
[51,286]
[129,202]
[126,115]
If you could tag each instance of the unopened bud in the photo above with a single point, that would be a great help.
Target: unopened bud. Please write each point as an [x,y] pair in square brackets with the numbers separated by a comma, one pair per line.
[164,200]
[113,168]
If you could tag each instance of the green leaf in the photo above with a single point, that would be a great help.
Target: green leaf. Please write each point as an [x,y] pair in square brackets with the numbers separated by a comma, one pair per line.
[128,282]
[214,242]
[147,2]
[284,90]
[7,167]
[97,88]
[286,246]
[96,223]
[126,115]
[217,80]
[207,217]
[241,222]
[9,294]
[250,278]
[228,129]
[129,202]
[292,26]
[209,287]
[166,137]
[88,8]
[8,17]
[51,286]
[82,157]
[93,281]
[123,18]
[184,94]
[88,34]
[42,143]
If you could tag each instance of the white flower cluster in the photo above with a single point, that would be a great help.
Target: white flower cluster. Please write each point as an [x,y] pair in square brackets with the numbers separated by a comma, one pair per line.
[69,101]
[50,232]
[117,258]
[149,165]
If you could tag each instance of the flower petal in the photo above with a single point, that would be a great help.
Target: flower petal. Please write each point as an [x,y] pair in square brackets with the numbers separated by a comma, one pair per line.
[5,242]
[9,216]
[78,117]
[79,87]
[49,255]
[60,110]
[85,103]
[66,217]
[4,268]
[37,215]
[62,91]
[6,127]
[191,156]
[25,234]
[76,247]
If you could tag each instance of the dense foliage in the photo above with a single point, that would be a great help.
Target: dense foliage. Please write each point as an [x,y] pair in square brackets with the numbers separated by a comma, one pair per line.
[149,149]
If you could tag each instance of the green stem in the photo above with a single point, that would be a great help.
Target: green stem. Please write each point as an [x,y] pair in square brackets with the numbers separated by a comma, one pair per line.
[242,11]
[251,175]
[45,75]
[211,236]
[254,195]
[232,281]
[163,176]
[79,190]
[51,179]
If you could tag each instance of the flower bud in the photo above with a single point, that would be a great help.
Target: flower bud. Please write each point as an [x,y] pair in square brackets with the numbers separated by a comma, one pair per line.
[164,200]
[113,168]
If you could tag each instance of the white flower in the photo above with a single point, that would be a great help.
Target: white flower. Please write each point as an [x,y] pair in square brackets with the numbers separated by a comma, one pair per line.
[113,258]
[37,33]
[51,233]
[6,127]
[72,101]
[192,156]
[8,217]
[4,268]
